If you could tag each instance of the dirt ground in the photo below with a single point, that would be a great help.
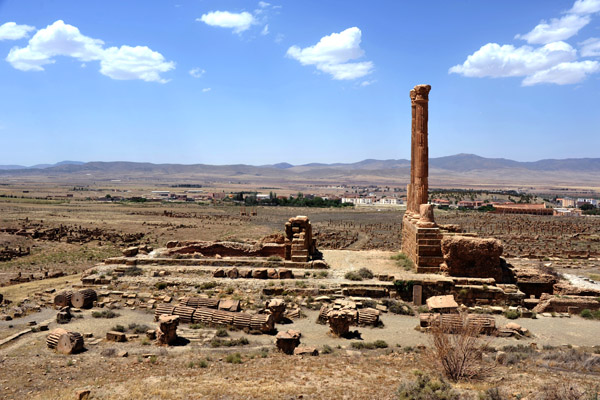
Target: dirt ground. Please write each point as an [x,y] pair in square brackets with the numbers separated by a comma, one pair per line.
[351,239]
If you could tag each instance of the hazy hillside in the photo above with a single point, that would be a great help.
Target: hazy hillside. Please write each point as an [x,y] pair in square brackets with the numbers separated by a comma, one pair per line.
[460,169]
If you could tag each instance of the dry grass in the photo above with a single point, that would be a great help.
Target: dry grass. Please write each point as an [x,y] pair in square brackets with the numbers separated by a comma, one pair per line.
[459,351]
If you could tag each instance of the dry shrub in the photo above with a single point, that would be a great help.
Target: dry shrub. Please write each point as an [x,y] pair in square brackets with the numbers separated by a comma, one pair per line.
[567,391]
[458,350]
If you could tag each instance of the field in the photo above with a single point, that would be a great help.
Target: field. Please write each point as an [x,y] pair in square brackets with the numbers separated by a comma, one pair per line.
[74,235]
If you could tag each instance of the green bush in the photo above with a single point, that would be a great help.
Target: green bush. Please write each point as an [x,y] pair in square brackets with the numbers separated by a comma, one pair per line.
[365,273]
[426,388]
[512,314]
[326,349]
[353,276]
[274,258]
[207,285]
[589,314]
[138,328]
[403,261]
[234,358]
[118,328]
[105,314]
[229,343]
[378,344]
[161,285]
[222,332]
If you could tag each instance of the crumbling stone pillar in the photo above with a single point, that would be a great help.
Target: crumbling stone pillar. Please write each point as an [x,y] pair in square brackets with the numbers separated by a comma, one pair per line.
[419,162]
[166,333]
[340,321]
[276,307]
[288,341]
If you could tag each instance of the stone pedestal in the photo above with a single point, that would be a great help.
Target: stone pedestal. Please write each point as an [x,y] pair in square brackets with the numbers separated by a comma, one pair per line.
[417,295]
[277,308]
[166,333]
[340,321]
[288,341]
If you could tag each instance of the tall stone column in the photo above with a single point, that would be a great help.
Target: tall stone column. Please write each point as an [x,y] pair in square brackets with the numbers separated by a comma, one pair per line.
[420,150]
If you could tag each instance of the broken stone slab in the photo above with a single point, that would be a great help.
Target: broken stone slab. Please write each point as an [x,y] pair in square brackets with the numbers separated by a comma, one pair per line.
[442,303]
[306,351]
[115,336]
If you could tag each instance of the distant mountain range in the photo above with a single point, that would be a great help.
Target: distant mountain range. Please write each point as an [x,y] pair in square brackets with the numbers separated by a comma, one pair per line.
[458,169]
[41,166]
[459,163]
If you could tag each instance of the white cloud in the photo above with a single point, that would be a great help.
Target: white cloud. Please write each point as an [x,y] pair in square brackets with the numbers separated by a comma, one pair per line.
[557,29]
[12,31]
[279,38]
[493,60]
[206,90]
[367,83]
[585,7]
[265,30]
[590,47]
[332,53]
[138,62]
[263,4]
[239,22]
[555,62]
[60,39]
[197,72]
[564,73]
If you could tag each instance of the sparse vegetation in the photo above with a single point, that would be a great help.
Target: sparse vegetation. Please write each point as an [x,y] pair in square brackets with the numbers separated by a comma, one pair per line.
[234,358]
[403,261]
[105,314]
[229,342]
[458,352]
[512,314]
[589,314]
[424,387]
[353,276]
[378,344]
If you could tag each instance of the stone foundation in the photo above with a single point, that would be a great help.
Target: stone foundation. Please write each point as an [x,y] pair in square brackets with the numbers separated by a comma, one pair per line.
[422,245]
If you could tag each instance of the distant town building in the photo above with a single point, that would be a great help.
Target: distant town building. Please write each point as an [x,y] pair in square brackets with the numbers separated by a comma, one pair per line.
[514,208]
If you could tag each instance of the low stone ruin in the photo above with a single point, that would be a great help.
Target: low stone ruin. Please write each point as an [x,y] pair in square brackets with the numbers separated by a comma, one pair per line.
[7,254]
[166,333]
[252,322]
[299,242]
[116,336]
[259,273]
[65,342]
[566,304]
[219,304]
[472,256]
[287,341]
[63,316]
[361,316]
[456,322]
[225,249]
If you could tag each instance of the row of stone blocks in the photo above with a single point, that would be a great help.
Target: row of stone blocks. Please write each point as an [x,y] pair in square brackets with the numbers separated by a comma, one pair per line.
[423,246]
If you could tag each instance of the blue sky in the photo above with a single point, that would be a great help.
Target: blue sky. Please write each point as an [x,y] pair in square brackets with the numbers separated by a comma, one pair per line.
[224,82]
